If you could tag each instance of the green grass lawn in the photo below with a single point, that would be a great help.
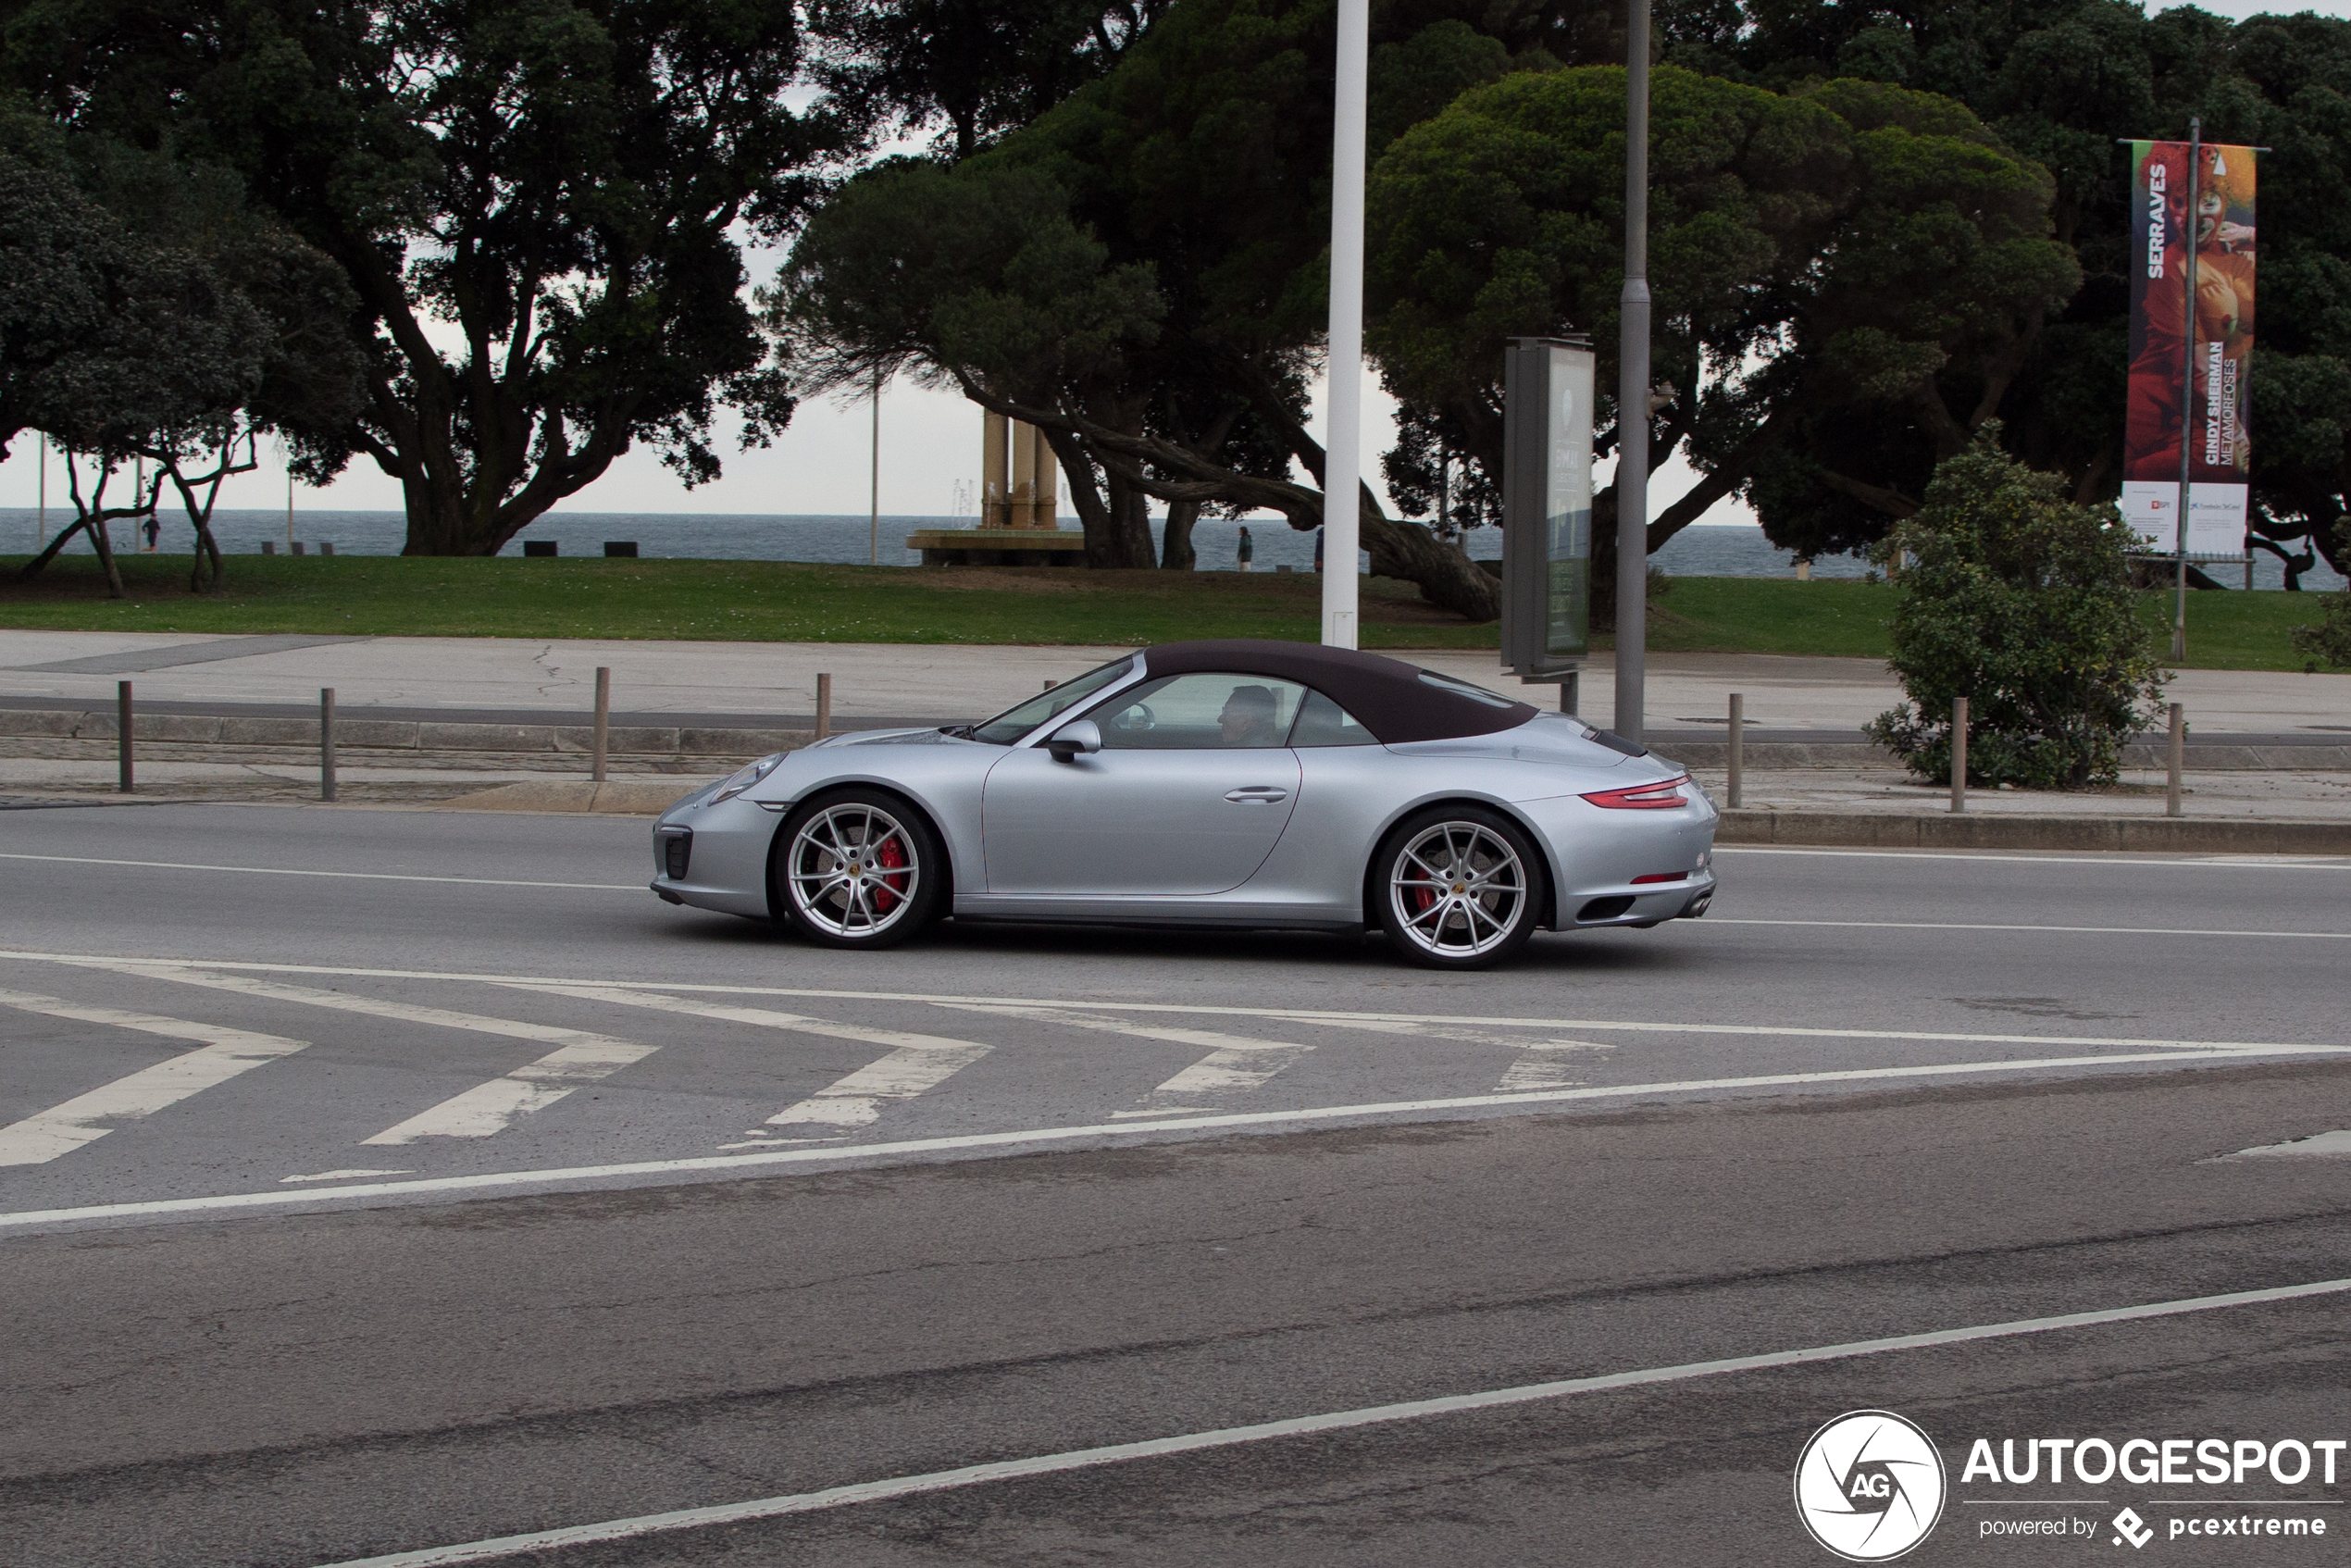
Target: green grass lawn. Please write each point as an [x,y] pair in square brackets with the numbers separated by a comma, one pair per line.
[790,602]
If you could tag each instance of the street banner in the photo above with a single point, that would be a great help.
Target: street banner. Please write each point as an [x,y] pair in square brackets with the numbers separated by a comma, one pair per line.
[2219,393]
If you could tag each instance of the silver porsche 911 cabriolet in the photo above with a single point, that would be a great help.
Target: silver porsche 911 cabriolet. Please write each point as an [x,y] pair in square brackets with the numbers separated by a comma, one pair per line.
[1236,783]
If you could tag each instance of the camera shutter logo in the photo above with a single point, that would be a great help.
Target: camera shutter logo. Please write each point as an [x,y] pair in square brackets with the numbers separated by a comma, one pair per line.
[1870,1485]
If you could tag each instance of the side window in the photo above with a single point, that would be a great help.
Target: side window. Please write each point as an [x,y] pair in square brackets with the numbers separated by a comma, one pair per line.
[1321,722]
[1203,712]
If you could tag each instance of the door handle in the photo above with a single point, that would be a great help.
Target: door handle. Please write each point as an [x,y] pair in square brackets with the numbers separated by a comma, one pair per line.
[1261,794]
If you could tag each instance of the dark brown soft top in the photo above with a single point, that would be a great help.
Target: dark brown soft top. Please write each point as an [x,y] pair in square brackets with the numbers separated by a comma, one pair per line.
[1390,698]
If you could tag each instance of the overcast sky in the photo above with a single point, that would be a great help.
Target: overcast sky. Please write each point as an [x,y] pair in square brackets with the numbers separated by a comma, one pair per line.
[929,443]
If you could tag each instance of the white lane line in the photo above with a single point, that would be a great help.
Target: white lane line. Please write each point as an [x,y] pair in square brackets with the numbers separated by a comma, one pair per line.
[2318,1143]
[2120,858]
[1285,1014]
[1311,1425]
[482,1111]
[1235,1063]
[2064,931]
[1542,1063]
[917,1062]
[340,1175]
[496,1180]
[358,876]
[85,1118]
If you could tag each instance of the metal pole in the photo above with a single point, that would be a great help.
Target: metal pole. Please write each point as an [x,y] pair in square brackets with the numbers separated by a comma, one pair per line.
[874,540]
[2171,806]
[1959,753]
[603,723]
[41,525]
[2187,398]
[122,732]
[289,498]
[823,706]
[326,787]
[1632,389]
[1342,455]
[1738,747]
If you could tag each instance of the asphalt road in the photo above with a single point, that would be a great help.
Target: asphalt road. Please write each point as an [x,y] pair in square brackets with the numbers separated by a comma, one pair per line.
[449,1187]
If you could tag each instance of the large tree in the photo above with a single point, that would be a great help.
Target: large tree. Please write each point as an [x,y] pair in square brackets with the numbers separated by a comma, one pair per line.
[2059,80]
[538,203]
[1179,205]
[1815,256]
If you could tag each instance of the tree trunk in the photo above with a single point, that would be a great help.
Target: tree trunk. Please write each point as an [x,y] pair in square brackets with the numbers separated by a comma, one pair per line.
[1175,546]
[1446,575]
[105,546]
[1124,538]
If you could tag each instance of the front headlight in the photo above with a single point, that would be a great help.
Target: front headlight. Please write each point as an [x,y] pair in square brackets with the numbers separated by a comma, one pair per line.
[744,778]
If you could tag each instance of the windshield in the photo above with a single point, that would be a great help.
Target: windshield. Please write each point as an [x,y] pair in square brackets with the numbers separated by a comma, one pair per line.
[1013,723]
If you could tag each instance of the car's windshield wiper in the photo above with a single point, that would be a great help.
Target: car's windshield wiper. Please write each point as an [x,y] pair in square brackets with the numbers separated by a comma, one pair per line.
[960,731]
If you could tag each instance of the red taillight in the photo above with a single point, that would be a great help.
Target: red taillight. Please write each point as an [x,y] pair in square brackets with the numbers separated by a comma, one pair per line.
[1663,796]
[1661,877]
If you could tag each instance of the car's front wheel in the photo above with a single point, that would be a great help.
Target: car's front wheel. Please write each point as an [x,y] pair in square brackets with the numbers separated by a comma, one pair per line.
[856,868]
[1461,887]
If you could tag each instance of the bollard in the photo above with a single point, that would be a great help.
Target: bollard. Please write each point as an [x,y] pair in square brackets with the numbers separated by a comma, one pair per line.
[603,723]
[1738,747]
[1959,753]
[823,706]
[326,742]
[122,731]
[2171,806]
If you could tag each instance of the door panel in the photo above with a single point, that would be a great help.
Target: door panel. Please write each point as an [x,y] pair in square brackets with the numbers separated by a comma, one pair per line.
[1139,822]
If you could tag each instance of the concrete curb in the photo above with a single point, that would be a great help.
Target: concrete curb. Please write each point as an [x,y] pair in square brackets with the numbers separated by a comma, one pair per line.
[1943,831]
[615,799]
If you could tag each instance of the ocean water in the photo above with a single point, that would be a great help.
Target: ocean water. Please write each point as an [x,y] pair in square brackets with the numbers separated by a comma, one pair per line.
[1723,551]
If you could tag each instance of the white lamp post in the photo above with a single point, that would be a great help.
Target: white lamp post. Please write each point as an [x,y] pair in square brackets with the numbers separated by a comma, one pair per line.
[1343,456]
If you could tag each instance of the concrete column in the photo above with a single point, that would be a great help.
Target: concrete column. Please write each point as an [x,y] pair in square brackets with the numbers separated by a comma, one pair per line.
[994,482]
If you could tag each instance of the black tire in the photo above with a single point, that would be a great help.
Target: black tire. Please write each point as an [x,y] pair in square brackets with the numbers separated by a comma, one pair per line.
[822,883]
[1466,905]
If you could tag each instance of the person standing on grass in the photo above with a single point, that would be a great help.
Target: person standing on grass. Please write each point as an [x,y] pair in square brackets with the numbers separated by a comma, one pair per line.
[1248,550]
[1318,550]
[154,529]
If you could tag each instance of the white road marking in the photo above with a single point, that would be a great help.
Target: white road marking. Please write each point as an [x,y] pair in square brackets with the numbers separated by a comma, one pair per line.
[340,1175]
[496,1180]
[359,876]
[2119,858]
[485,1109]
[2318,1143]
[85,1118]
[1310,1016]
[1309,1426]
[1235,1063]
[2067,930]
[1543,1064]
[917,1062]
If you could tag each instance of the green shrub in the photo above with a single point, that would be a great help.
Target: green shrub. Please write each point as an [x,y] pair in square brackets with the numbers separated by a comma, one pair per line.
[2020,600]
[2328,642]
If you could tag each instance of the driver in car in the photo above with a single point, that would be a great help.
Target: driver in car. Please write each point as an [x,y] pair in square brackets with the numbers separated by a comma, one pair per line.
[1247,718]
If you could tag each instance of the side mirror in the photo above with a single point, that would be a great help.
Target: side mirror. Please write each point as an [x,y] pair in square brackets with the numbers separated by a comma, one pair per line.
[1082,736]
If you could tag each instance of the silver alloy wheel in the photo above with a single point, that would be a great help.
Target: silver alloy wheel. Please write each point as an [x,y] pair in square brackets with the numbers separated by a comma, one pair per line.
[853,870]
[1457,890]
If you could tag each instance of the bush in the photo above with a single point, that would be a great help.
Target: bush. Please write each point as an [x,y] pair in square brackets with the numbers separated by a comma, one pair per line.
[2020,600]
[2329,642]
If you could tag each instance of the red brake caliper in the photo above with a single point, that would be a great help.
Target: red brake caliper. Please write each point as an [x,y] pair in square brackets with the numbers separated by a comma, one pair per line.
[893,889]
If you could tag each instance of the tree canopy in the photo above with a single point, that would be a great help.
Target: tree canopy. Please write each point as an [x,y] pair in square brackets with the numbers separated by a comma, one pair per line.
[2058,81]
[535,201]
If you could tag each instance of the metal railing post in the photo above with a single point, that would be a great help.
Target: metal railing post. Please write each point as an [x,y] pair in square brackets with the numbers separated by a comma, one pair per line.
[2171,805]
[122,732]
[1959,753]
[1738,747]
[603,724]
[327,787]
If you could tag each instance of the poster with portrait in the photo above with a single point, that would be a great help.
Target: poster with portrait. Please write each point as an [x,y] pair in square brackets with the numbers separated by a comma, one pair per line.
[2218,391]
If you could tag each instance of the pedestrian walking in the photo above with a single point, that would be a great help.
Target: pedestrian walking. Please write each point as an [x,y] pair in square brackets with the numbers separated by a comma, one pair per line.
[1318,550]
[1248,551]
[154,529]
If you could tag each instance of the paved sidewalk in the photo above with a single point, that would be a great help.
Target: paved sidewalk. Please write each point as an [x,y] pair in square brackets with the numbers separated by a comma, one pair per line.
[775,682]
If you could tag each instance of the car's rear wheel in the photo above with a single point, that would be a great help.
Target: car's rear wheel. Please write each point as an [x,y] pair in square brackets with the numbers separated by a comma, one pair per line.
[1461,887]
[856,868]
